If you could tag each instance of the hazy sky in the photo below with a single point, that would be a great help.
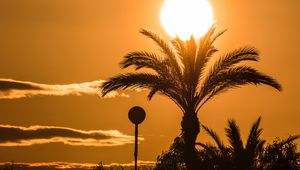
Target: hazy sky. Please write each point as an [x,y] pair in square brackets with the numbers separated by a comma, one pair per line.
[54,54]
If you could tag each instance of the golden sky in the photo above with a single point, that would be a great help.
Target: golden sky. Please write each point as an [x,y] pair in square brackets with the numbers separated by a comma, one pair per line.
[57,52]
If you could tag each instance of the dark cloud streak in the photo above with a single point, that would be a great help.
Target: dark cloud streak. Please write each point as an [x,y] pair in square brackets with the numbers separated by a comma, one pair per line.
[14,89]
[27,136]
[70,166]
[7,84]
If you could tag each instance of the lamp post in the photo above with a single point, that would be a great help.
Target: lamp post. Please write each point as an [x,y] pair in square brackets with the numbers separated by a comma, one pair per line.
[136,115]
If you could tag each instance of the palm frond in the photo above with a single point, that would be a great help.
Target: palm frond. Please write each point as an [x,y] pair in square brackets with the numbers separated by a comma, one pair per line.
[230,59]
[191,53]
[234,136]
[180,48]
[133,80]
[192,46]
[253,138]
[205,41]
[144,80]
[205,49]
[167,49]
[231,78]
[215,136]
[236,56]
[217,34]
[170,91]
[186,51]
[260,146]
[141,59]
[288,140]
[208,147]
[188,59]
[190,75]
[254,144]
[152,92]
[204,52]
[203,145]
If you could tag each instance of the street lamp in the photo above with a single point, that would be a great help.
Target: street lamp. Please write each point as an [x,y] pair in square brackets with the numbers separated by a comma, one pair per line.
[136,115]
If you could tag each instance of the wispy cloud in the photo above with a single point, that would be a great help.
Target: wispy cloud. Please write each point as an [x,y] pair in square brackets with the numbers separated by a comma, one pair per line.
[14,89]
[27,136]
[69,165]
[48,165]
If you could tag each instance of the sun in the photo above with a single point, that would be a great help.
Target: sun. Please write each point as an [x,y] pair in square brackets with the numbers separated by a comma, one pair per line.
[184,18]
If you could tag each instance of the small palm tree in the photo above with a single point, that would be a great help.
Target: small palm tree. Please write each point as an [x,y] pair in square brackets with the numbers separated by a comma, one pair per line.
[249,156]
[182,73]
[245,156]
[242,156]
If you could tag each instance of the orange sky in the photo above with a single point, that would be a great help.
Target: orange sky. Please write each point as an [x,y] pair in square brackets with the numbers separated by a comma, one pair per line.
[72,41]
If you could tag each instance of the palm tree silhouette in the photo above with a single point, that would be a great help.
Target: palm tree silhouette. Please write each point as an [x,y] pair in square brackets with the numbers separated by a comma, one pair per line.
[251,155]
[243,156]
[182,73]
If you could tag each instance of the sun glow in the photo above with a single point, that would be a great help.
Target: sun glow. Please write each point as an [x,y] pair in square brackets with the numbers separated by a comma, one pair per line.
[184,18]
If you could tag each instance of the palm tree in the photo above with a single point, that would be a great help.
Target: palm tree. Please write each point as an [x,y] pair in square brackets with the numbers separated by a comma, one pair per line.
[242,156]
[249,156]
[182,73]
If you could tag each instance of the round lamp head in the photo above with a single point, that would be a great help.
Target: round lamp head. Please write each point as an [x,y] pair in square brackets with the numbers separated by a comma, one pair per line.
[136,115]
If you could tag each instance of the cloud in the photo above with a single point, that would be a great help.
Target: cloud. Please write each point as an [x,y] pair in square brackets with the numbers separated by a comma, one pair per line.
[27,136]
[14,89]
[131,165]
[48,166]
[70,166]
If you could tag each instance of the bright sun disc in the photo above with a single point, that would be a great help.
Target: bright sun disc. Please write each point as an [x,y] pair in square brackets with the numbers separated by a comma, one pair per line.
[186,17]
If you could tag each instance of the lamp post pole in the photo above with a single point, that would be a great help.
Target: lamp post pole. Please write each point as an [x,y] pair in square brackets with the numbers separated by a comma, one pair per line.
[136,146]
[136,115]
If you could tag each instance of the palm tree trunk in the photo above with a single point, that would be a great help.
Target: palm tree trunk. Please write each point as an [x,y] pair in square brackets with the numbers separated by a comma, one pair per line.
[190,130]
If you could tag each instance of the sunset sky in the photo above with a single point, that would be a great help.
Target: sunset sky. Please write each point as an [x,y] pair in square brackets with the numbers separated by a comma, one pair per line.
[54,55]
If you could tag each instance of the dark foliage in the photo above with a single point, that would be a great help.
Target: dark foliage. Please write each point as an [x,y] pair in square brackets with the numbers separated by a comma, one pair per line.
[173,159]
[281,155]
[251,155]
[99,166]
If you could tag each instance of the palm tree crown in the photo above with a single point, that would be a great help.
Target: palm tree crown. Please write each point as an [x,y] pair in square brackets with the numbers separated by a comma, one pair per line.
[182,72]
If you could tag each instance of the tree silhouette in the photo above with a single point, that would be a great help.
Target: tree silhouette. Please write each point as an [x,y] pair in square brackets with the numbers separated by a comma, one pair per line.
[281,155]
[172,159]
[241,156]
[182,73]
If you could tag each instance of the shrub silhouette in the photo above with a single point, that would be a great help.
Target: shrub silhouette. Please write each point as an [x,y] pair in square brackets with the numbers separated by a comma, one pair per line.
[182,73]
[99,166]
[173,159]
[280,155]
